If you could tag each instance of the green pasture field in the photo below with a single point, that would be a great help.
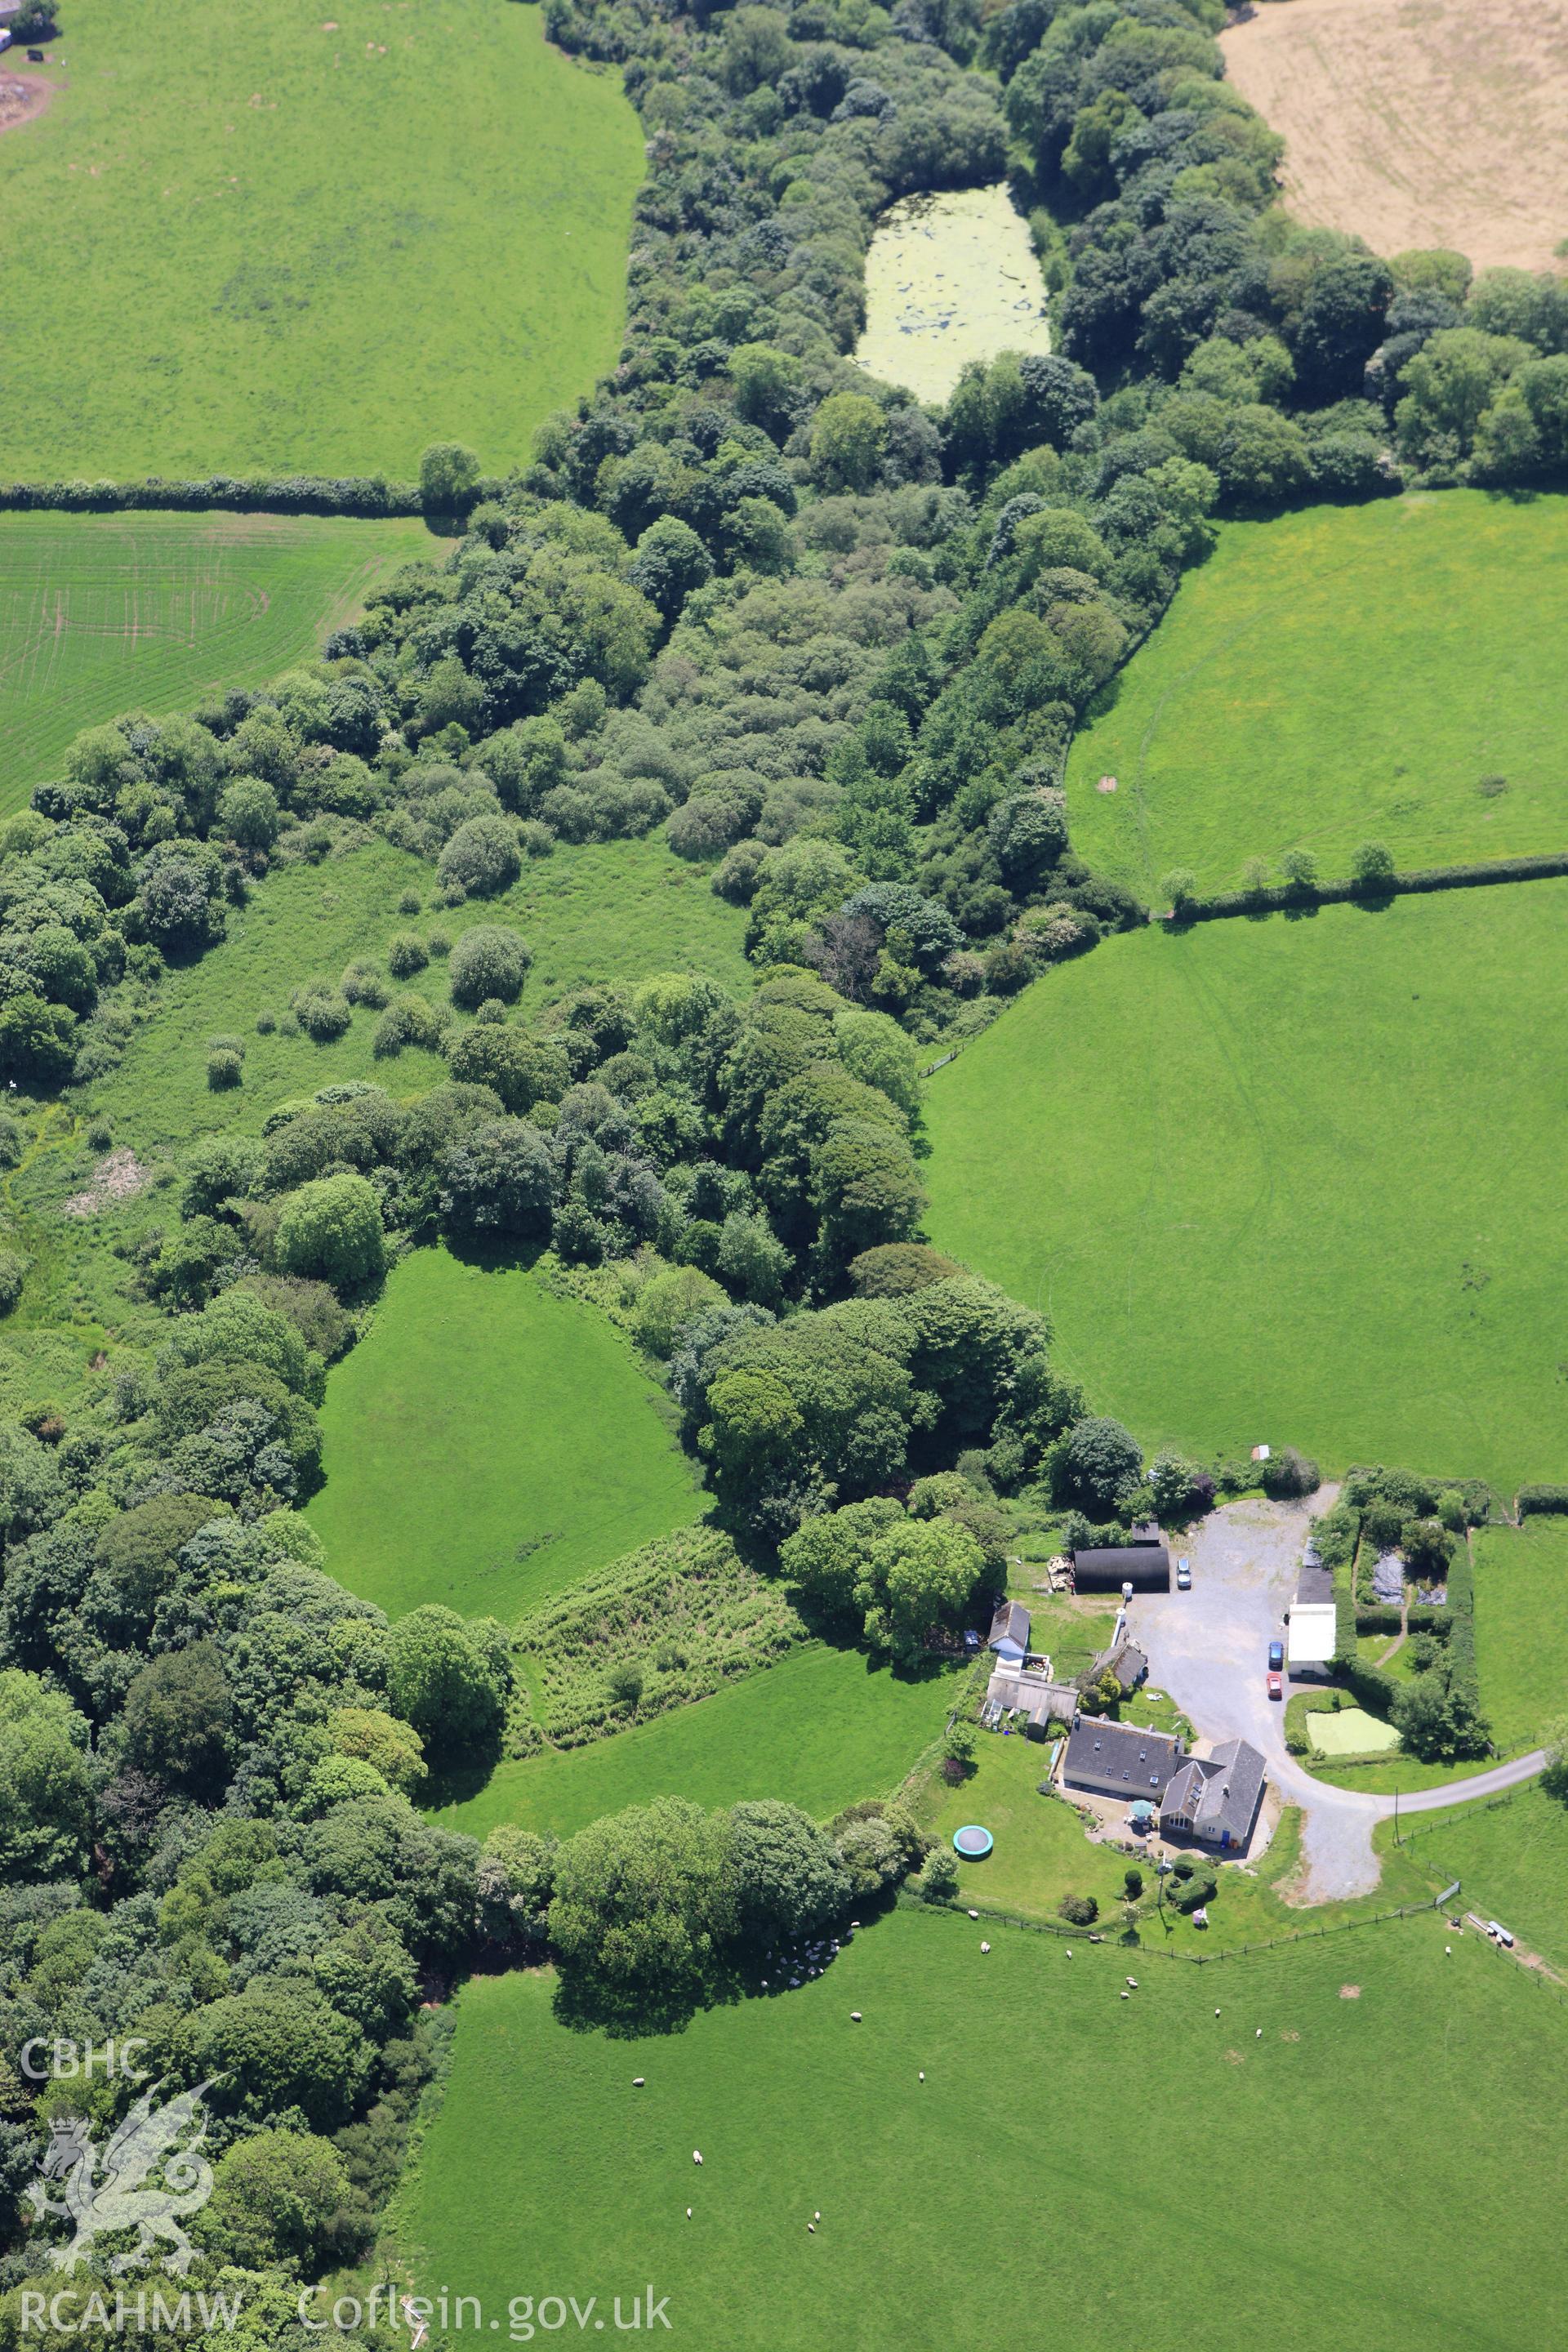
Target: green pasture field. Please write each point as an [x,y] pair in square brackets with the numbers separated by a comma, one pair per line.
[1341,675]
[264,239]
[487,1442]
[1512,1859]
[821,1729]
[603,912]
[1521,1628]
[1006,2198]
[101,614]
[1288,1181]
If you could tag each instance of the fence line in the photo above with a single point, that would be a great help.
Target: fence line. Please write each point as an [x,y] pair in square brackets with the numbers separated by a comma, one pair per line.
[1484,1805]
[1162,1951]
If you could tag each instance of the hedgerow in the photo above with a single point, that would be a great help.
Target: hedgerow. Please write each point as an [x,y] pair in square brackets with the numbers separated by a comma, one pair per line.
[352,494]
[1281,898]
[1537,1499]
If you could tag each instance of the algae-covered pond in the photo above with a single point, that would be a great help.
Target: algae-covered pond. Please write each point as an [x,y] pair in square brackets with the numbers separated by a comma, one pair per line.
[950,278]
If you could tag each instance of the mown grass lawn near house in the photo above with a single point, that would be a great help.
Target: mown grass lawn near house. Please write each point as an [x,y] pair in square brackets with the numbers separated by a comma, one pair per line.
[104,613]
[486,1443]
[262,238]
[1289,1182]
[1387,672]
[822,1729]
[1041,1851]
[947,2207]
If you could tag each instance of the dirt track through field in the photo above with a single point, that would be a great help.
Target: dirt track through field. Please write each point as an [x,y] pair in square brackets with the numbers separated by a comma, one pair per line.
[1418,122]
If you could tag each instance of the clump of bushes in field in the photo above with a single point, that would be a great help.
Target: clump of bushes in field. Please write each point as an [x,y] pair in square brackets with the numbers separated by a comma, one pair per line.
[363,983]
[322,1012]
[226,1062]
[407,955]
[409,1020]
[490,960]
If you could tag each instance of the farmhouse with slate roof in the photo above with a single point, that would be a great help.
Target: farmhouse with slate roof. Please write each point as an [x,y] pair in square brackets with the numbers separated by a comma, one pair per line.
[1117,1759]
[1215,1797]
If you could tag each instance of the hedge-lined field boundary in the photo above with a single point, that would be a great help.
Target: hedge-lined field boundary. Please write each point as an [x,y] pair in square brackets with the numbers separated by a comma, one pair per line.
[1294,898]
[1536,1502]
[1385,1617]
[367,495]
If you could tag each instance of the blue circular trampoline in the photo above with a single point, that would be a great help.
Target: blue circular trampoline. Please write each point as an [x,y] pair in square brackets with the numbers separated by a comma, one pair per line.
[972,1842]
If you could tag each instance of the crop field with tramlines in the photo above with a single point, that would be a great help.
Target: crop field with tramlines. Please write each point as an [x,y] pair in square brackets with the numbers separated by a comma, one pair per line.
[104,613]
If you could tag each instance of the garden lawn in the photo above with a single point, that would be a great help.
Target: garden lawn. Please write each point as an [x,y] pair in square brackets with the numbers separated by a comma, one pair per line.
[1041,1851]
[603,912]
[1521,1628]
[487,1442]
[821,1729]
[1288,1181]
[1338,674]
[261,239]
[102,614]
[1512,1859]
[1054,2119]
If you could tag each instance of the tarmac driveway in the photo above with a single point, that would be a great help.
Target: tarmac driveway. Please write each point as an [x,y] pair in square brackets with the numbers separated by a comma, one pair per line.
[1209,1648]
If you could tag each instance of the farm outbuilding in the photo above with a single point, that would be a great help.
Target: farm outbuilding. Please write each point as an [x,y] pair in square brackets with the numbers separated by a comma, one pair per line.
[1010,1633]
[1016,1690]
[1127,1662]
[1146,1566]
[1312,1637]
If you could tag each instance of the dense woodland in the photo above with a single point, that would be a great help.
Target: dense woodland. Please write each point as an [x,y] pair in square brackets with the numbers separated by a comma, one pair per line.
[835,644]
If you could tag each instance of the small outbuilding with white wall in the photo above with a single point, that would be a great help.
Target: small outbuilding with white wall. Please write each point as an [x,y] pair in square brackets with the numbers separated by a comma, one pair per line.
[1310,1647]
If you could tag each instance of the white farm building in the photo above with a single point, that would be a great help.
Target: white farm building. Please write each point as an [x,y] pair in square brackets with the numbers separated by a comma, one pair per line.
[1312,1643]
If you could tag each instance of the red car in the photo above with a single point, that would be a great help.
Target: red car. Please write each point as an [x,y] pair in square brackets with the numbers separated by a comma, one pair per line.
[1276,1686]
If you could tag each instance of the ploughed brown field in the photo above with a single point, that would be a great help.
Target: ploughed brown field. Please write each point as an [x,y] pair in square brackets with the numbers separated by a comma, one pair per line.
[1418,122]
